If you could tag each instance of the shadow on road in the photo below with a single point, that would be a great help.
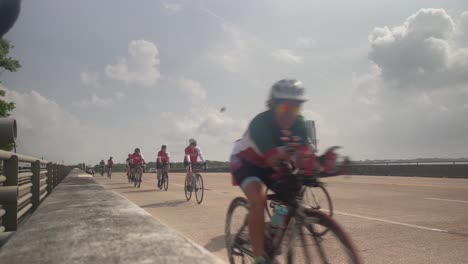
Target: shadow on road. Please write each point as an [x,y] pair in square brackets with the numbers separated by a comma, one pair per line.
[216,244]
[116,183]
[164,204]
[123,187]
[143,191]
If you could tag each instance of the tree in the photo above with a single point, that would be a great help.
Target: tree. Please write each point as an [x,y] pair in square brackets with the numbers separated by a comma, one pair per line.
[6,64]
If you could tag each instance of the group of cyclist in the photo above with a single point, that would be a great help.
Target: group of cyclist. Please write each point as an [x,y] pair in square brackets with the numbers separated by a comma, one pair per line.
[192,154]
[110,165]
[273,137]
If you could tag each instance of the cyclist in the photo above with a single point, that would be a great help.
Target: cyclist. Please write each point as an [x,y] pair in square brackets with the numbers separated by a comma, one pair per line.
[136,159]
[127,164]
[256,157]
[192,152]
[110,164]
[163,158]
[102,164]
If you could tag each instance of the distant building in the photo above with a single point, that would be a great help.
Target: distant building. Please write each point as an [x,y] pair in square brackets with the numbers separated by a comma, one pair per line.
[311,132]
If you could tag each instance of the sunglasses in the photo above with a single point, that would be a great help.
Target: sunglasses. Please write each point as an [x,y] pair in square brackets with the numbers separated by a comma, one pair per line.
[283,108]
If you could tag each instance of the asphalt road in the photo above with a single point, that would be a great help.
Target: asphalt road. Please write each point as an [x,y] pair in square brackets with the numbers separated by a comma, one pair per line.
[390,219]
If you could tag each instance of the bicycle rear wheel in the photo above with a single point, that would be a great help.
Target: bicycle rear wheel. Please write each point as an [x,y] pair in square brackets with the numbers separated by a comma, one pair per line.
[165,181]
[236,232]
[317,198]
[199,188]
[335,247]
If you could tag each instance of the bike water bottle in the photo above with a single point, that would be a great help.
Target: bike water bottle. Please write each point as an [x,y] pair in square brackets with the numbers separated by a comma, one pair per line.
[278,222]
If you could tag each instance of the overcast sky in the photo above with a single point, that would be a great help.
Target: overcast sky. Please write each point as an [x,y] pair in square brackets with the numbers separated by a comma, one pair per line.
[386,79]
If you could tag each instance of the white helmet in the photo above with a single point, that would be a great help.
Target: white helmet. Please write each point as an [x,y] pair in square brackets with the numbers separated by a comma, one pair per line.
[288,89]
[192,141]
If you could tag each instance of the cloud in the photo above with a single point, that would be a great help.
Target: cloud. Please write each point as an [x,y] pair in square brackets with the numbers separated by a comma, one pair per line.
[90,78]
[172,8]
[96,101]
[287,56]
[47,130]
[234,51]
[422,53]
[206,122]
[413,95]
[139,67]
[193,89]
[303,42]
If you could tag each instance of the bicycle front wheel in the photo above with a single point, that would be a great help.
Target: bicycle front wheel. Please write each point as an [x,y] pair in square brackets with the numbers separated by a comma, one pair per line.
[199,188]
[236,233]
[335,247]
[317,198]
[165,181]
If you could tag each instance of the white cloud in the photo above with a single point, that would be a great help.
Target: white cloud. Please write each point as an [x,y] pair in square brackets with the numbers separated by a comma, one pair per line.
[233,52]
[324,129]
[90,78]
[173,7]
[422,53]
[46,130]
[418,75]
[96,101]
[304,42]
[192,88]
[140,67]
[287,56]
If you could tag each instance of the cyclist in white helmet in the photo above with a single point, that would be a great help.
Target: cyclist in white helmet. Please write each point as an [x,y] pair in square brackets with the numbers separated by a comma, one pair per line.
[256,156]
[192,153]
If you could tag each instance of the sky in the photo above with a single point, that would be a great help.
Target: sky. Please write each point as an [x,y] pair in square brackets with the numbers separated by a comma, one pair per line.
[385,79]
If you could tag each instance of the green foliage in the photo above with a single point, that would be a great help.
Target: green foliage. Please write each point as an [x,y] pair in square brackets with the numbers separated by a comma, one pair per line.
[6,64]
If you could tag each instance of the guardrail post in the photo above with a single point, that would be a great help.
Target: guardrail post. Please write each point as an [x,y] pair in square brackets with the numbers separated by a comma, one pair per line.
[36,182]
[10,169]
[49,177]
[55,176]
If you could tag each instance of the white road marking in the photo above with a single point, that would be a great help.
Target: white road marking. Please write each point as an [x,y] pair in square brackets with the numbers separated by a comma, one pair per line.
[448,200]
[393,222]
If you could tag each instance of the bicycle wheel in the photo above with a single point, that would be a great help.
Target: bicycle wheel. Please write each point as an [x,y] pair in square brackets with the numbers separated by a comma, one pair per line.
[199,188]
[335,247]
[236,233]
[140,175]
[188,191]
[165,181]
[317,198]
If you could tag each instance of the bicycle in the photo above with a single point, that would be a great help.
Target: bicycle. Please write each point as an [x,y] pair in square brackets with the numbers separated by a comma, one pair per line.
[137,175]
[288,196]
[196,183]
[317,200]
[109,172]
[164,183]
[102,170]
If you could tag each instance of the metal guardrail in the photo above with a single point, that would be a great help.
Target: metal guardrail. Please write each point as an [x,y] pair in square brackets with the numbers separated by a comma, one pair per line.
[24,183]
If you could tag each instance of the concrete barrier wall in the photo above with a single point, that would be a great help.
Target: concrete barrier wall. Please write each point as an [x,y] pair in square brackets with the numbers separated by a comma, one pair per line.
[81,222]
[422,170]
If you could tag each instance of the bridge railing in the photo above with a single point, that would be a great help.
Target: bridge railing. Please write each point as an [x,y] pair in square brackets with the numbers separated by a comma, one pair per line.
[24,183]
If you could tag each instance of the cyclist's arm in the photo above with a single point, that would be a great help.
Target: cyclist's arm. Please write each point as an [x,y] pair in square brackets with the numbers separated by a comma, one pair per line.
[200,154]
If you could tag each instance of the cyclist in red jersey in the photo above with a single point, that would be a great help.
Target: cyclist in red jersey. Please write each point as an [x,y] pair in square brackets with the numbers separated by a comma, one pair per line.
[192,152]
[162,158]
[136,159]
[110,163]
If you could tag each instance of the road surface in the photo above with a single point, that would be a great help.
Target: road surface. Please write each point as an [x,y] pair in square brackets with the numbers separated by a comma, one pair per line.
[390,219]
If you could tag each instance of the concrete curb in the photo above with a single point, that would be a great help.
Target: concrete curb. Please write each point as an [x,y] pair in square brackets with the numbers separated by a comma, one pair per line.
[81,222]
